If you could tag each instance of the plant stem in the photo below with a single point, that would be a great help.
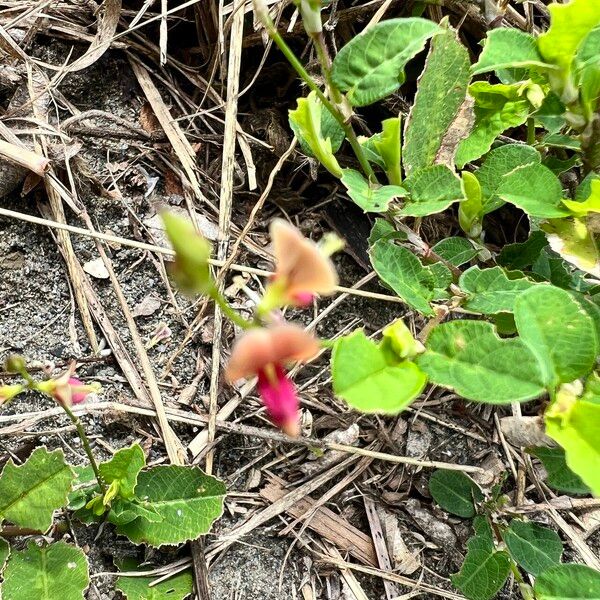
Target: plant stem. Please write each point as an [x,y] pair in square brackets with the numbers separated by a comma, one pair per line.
[229,312]
[330,106]
[524,588]
[86,446]
[531,131]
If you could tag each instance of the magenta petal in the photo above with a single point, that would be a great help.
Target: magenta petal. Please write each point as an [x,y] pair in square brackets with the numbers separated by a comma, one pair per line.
[303,299]
[79,391]
[280,399]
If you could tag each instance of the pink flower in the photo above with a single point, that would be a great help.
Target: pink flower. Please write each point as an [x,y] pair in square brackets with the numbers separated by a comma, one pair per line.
[66,389]
[264,352]
[301,269]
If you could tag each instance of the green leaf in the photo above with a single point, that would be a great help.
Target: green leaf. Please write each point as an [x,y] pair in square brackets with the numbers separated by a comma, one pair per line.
[490,291]
[560,477]
[558,331]
[368,380]
[371,197]
[569,24]
[59,570]
[31,492]
[483,573]
[384,230]
[125,511]
[535,189]
[587,72]
[178,587]
[187,499]
[581,208]
[573,240]
[388,147]
[506,49]
[575,424]
[497,108]
[404,273]
[83,488]
[431,190]
[499,163]
[371,66]
[4,553]
[190,270]
[124,468]
[568,582]
[470,211]
[306,122]
[523,254]
[455,492]
[456,250]
[535,548]
[441,92]
[469,357]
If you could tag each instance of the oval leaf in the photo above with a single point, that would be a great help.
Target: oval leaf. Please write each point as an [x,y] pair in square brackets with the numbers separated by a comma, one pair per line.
[371,66]
[31,492]
[186,499]
[365,377]
[59,570]
[454,492]
[558,331]
[534,547]
[568,582]
[469,357]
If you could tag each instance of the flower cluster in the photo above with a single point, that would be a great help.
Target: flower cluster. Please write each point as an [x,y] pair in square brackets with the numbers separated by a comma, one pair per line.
[303,270]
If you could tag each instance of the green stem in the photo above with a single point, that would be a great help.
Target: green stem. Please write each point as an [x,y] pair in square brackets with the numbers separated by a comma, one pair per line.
[531,131]
[330,106]
[524,588]
[86,446]
[229,312]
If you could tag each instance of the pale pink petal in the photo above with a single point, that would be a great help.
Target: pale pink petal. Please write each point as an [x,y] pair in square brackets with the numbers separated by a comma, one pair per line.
[300,263]
[280,399]
[260,347]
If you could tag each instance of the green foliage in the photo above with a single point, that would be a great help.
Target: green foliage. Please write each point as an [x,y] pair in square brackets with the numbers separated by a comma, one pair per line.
[431,190]
[535,548]
[521,255]
[187,501]
[371,197]
[535,189]
[470,211]
[469,357]
[317,132]
[59,570]
[371,378]
[371,65]
[570,23]
[497,108]
[484,570]
[388,147]
[31,492]
[490,291]
[565,582]
[499,163]
[123,468]
[575,424]
[178,587]
[560,477]
[430,129]
[455,492]
[190,270]
[404,273]
[457,251]
[558,331]
[508,48]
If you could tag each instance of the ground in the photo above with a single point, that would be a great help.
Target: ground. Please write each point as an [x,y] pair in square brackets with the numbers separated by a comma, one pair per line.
[120,182]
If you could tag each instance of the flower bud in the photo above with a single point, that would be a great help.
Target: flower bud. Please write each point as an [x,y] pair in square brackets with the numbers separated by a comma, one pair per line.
[15,364]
